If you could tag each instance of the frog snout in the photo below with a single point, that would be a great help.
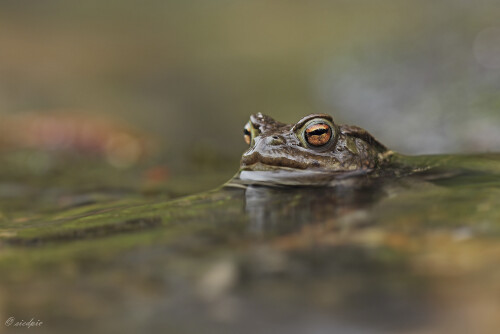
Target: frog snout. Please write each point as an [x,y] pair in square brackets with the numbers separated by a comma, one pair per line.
[262,144]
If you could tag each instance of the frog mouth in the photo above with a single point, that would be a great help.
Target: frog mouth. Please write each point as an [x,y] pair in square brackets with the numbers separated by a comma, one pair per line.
[259,166]
[257,161]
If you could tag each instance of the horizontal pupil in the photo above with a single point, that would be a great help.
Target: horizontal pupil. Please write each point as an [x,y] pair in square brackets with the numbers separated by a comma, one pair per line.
[246,132]
[317,132]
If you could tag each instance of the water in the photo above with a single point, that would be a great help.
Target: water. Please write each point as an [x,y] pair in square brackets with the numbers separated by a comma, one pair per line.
[403,253]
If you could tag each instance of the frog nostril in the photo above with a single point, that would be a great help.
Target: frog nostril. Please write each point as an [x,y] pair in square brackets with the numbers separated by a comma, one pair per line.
[275,140]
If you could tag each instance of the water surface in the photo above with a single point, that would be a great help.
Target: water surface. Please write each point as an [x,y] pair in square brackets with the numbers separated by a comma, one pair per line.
[391,254]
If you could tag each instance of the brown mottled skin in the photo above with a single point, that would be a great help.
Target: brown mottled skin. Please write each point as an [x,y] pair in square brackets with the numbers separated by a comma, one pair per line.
[276,145]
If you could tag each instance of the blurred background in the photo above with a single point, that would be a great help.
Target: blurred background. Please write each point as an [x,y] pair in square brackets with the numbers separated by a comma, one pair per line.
[175,81]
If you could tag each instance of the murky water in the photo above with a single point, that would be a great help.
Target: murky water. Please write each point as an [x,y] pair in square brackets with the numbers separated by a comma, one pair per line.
[401,254]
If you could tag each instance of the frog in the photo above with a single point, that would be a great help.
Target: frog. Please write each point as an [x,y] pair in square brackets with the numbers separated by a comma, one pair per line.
[315,143]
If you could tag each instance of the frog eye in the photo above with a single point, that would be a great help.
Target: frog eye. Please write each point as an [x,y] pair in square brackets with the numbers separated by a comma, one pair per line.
[247,133]
[318,134]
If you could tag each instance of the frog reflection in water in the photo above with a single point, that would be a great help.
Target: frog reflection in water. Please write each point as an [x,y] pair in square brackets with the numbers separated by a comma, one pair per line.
[315,144]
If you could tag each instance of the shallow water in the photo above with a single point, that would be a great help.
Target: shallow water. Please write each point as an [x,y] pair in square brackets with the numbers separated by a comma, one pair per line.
[402,254]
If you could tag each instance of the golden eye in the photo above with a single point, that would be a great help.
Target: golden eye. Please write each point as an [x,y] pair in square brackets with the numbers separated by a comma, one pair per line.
[318,134]
[247,133]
